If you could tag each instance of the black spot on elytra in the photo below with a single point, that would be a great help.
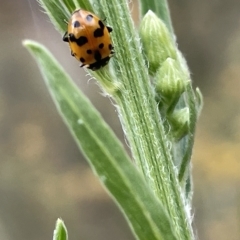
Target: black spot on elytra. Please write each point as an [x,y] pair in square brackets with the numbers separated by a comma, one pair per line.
[110,46]
[89,17]
[101,45]
[97,56]
[82,60]
[89,51]
[76,24]
[99,31]
[80,41]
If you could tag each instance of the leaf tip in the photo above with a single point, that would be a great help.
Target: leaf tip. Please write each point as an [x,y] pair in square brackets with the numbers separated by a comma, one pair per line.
[60,232]
[29,43]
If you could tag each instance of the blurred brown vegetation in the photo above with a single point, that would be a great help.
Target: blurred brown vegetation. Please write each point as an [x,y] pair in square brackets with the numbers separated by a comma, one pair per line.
[43,175]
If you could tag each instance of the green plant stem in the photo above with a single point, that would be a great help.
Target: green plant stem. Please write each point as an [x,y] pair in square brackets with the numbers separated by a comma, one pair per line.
[140,116]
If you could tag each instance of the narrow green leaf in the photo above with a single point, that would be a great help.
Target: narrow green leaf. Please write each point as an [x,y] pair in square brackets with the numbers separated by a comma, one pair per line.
[193,116]
[82,4]
[104,152]
[61,15]
[60,232]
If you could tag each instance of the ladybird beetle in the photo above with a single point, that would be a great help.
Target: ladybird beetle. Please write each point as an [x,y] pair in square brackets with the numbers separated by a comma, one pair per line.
[89,39]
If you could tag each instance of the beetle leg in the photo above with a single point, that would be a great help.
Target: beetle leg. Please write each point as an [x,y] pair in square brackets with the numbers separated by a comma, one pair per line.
[65,37]
[109,29]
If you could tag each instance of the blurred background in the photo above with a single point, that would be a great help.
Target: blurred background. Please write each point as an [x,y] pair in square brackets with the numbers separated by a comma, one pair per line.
[43,175]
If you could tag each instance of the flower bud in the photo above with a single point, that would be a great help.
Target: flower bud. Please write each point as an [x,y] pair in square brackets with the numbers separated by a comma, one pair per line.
[158,44]
[170,83]
[179,121]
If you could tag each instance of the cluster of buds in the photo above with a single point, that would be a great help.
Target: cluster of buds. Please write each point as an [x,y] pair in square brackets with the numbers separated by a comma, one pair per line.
[169,72]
